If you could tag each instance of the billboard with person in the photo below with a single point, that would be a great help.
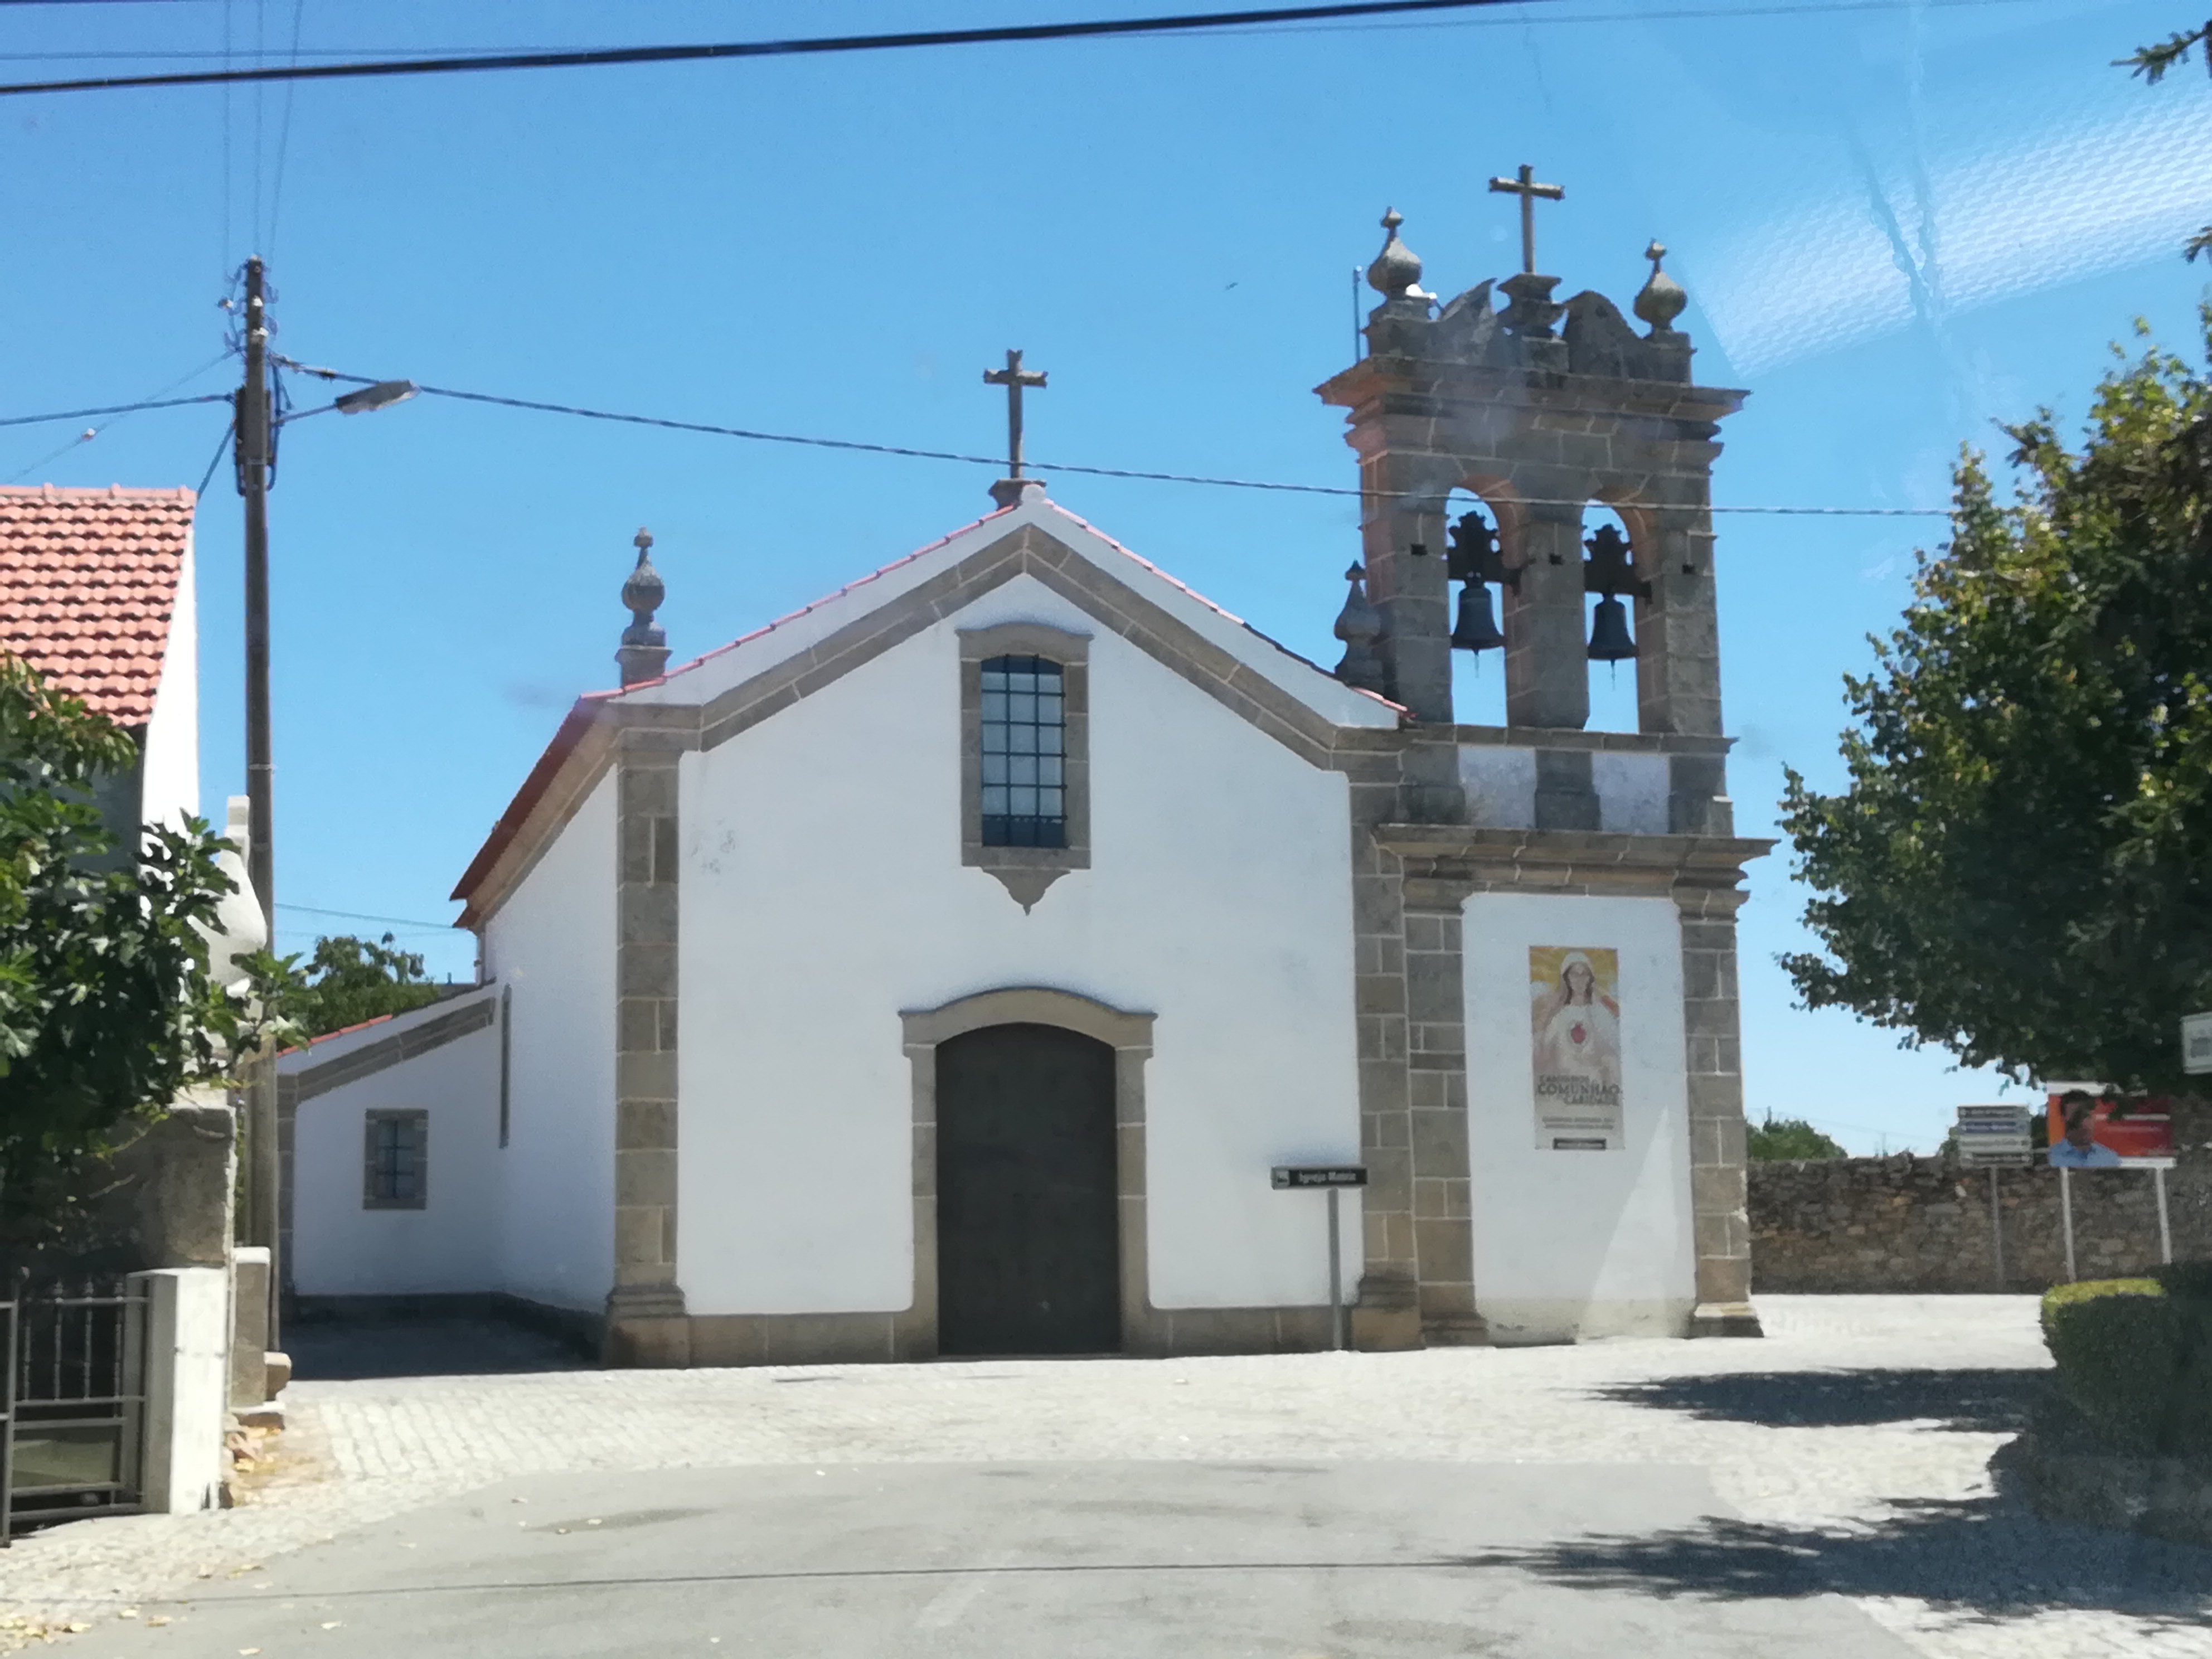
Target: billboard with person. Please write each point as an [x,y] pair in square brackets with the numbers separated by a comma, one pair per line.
[2091,1129]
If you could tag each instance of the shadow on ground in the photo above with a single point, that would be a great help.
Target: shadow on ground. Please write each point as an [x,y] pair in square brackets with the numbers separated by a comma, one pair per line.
[343,1350]
[1988,1558]
[1988,1401]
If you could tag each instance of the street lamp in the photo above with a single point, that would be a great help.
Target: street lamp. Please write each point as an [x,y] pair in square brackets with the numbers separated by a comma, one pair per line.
[382,395]
[256,457]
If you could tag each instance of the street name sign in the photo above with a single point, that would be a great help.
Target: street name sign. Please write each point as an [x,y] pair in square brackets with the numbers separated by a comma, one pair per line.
[1287,1175]
[1994,1137]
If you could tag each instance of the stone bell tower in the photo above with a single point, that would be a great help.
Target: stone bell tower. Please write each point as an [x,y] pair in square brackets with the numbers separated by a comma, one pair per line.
[1539,409]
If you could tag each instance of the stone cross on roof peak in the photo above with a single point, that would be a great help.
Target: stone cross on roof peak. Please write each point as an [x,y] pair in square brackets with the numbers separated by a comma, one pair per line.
[1014,378]
[1524,186]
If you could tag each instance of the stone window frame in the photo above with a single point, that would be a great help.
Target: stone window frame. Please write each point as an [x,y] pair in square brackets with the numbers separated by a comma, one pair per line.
[1129,1035]
[1026,871]
[371,1197]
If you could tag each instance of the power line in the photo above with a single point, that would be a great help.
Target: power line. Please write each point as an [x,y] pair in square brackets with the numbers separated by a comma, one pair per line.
[120,409]
[359,915]
[215,460]
[604,56]
[907,452]
[284,133]
[855,446]
[83,437]
[1796,8]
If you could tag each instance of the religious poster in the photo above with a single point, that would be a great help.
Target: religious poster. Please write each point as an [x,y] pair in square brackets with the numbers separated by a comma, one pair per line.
[1574,1018]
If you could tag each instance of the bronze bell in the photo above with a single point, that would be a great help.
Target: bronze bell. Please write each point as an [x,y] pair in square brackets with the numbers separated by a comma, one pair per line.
[1609,636]
[1477,629]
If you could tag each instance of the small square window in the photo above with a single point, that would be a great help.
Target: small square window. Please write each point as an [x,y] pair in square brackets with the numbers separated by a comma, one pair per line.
[395,1161]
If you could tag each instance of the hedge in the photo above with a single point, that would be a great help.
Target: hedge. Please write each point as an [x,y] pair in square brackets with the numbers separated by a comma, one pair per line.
[2135,1355]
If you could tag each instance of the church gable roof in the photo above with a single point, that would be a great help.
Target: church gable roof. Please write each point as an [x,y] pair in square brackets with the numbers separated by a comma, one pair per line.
[712,698]
[712,674]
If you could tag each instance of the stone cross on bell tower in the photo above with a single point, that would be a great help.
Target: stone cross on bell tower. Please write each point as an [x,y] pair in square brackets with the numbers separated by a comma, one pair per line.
[1538,409]
[1538,420]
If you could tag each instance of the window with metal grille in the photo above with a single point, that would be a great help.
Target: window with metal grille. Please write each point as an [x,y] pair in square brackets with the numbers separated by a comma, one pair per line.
[396,1176]
[1024,731]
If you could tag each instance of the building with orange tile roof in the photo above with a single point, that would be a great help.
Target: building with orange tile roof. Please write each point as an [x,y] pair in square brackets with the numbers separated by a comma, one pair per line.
[96,593]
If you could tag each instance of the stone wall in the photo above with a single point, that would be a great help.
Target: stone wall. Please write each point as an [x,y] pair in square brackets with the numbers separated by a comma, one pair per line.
[170,1205]
[1910,1223]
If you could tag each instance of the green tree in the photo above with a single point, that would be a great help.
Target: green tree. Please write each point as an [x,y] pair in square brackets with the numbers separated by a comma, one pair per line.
[2152,63]
[2020,870]
[351,979]
[1778,1138]
[106,1011]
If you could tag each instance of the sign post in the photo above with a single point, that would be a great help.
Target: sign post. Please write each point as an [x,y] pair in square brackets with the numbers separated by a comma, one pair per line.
[1333,1177]
[2066,1215]
[1994,1138]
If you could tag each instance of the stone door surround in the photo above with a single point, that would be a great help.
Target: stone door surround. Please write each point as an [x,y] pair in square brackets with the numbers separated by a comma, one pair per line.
[1129,1035]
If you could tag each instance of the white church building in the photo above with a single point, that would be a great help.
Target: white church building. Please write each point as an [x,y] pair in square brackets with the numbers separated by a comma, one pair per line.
[942,969]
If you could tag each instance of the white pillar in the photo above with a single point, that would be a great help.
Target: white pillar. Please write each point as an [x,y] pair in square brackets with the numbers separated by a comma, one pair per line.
[188,1374]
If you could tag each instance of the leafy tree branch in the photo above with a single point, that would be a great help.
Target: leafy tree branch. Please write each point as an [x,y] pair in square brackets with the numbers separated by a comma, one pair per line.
[2019,870]
[107,1010]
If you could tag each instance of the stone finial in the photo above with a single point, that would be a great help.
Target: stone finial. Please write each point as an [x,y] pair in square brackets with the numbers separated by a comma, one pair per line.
[1396,272]
[1661,299]
[644,653]
[1359,625]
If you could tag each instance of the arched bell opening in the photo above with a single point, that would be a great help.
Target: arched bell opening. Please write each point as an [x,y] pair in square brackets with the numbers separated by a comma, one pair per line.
[1474,563]
[1612,589]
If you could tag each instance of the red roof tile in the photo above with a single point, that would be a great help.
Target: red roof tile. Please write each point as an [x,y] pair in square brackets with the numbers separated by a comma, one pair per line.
[88,584]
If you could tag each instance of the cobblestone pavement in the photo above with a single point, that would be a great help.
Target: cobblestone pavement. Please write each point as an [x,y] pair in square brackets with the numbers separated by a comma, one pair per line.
[1853,1445]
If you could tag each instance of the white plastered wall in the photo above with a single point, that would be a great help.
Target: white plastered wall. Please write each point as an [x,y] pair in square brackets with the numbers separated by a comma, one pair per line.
[1572,1244]
[823,893]
[341,1247]
[169,776]
[552,944]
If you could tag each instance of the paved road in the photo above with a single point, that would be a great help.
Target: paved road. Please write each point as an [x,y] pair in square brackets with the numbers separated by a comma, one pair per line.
[1136,1561]
[1832,1481]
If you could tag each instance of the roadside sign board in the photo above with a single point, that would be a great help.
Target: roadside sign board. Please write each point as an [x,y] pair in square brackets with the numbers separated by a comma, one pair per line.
[1994,1137]
[1287,1176]
[2197,1043]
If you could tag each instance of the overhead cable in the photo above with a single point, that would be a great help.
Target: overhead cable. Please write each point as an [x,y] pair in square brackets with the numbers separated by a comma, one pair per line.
[903,40]
[118,409]
[1646,14]
[755,436]
[359,915]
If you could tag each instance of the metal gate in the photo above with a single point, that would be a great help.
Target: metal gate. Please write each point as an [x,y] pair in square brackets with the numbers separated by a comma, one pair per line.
[74,1402]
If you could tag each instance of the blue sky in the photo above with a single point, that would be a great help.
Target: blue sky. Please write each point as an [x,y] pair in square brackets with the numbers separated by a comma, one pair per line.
[1898,224]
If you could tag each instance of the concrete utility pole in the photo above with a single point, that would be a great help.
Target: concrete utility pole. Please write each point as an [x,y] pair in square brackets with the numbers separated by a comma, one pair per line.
[254,444]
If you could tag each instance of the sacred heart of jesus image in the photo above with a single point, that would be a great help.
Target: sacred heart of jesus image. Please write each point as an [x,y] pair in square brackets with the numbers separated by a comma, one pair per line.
[1574,1022]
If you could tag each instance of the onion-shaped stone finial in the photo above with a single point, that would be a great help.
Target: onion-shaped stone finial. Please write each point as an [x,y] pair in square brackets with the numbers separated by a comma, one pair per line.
[644,652]
[643,591]
[1359,625]
[1396,272]
[1662,299]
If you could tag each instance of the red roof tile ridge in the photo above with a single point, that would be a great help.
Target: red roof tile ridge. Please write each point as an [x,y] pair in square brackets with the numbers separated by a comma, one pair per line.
[374,1019]
[113,492]
[1223,611]
[789,617]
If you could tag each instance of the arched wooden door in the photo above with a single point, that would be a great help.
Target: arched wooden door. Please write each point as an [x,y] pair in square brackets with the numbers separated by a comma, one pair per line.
[1029,1252]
